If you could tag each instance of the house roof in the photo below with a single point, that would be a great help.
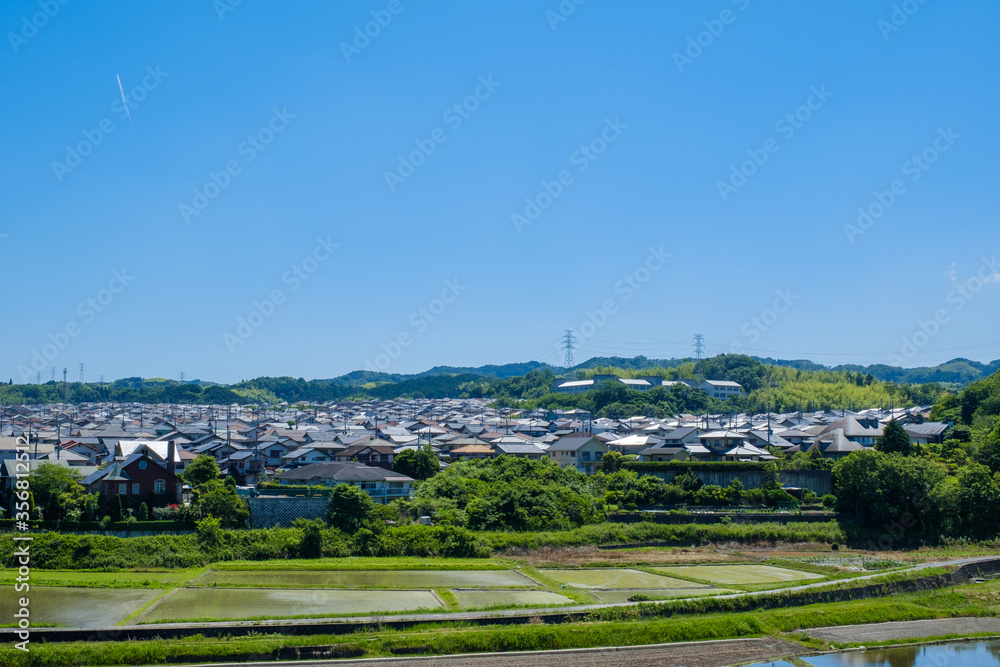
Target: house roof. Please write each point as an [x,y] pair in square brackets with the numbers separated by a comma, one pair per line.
[571,443]
[342,472]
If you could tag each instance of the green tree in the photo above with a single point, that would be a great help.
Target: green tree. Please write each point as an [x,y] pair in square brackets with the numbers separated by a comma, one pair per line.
[116,508]
[894,440]
[417,463]
[978,499]
[51,479]
[220,501]
[201,470]
[349,508]
[989,452]
[611,462]
[772,478]
[142,514]
[311,539]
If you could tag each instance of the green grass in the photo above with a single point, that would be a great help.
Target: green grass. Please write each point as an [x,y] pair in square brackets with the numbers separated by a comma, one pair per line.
[623,594]
[739,574]
[91,579]
[369,563]
[377,579]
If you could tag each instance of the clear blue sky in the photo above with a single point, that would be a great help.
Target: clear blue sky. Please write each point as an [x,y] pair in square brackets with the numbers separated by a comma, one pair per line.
[661,130]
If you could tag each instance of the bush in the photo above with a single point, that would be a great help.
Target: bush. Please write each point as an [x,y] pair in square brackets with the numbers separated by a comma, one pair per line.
[829,501]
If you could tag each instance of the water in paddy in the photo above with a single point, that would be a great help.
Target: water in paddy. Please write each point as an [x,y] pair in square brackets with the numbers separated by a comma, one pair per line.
[965,654]
[77,607]
[364,579]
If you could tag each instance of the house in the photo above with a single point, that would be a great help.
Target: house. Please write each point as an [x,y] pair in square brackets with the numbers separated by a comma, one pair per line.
[684,435]
[524,451]
[722,389]
[483,451]
[369,453]
[139,478]
[664,453]
[634,444]
[382,485]
[926,433]
[580,450]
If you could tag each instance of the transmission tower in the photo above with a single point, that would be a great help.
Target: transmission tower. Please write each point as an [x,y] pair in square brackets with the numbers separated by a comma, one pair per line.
[81,373]
[38,377]
[568,342]
[53,373]
[182,376]
[101,379]
[699,346]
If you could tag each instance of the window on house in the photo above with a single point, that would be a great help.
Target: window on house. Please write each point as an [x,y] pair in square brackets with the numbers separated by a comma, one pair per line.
[159,486]
[135,488]
[123,487]
[584,456]
[573,454]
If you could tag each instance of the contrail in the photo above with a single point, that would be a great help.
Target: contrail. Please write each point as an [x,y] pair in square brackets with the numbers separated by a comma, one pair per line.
[123,100]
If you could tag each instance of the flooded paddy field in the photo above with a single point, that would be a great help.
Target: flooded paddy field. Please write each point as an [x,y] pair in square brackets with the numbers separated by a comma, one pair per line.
[740,574]
[365,579]
[244,603]
[78,607]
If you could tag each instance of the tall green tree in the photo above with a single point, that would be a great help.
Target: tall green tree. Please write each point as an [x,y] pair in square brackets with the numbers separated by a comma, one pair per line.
[894,440]
[203,469]
[349,508]
[989,452]
[417,463]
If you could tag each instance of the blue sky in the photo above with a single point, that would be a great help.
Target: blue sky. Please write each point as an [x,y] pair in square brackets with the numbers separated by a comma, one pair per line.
[622,124]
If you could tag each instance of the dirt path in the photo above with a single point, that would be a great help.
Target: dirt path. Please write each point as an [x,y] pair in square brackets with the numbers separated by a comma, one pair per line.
[687,654]
[880,632]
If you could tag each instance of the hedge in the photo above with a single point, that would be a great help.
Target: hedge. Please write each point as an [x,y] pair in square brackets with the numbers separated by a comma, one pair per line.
[721,466]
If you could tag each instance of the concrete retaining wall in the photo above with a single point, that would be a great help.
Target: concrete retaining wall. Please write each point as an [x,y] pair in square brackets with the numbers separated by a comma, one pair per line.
[270,511]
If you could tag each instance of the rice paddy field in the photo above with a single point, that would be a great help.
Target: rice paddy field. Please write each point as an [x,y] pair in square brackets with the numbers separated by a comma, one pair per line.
[615,578]
[281,589]
[242,603]
[365,579]
[79,607]
[476,599]
[740,574]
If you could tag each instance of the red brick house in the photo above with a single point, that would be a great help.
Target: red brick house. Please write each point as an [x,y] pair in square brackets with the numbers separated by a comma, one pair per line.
[138,478]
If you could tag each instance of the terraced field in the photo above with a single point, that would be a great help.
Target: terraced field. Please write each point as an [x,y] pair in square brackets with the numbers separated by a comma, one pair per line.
[243,603]
[615,578]
[78,607]
[487,598]
[364,579]
[740,574]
